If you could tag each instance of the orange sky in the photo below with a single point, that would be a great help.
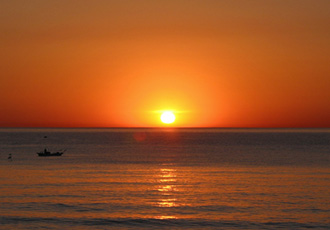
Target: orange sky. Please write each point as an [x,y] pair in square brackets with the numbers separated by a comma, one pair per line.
[118,63]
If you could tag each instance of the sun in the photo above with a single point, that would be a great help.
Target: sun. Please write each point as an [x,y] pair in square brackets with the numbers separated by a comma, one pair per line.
[167,117]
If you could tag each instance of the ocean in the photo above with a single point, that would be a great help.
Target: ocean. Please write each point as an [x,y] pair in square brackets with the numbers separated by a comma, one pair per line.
[165,179]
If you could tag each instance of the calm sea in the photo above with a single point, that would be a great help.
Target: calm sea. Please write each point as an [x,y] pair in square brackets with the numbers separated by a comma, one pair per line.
[165,179]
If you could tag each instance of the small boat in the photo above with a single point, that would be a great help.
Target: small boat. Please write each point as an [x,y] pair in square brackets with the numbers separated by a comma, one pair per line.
[46,153]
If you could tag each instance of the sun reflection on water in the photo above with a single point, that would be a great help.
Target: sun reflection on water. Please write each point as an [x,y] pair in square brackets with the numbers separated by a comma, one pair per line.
[166,217]
[167,179]
[167,203]
[166,188]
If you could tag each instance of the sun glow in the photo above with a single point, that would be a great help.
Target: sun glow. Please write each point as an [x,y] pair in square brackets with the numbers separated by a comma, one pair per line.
[167,117]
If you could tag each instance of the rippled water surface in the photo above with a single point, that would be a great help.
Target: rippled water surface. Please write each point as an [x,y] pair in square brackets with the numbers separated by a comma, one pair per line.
[165,179]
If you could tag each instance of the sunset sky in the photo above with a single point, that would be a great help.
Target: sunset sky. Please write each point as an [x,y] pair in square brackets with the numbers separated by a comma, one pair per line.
[120,63]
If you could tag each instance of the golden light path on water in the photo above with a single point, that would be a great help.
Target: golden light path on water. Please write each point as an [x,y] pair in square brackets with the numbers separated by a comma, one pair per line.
[167,177]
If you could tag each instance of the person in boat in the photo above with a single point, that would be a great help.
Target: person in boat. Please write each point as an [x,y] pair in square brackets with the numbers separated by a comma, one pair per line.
[45,151]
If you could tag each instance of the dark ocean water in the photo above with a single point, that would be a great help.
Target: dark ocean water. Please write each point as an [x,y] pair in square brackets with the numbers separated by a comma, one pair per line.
[165,179]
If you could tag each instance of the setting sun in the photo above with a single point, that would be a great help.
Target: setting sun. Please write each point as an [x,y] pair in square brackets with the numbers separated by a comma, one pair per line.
[167,117]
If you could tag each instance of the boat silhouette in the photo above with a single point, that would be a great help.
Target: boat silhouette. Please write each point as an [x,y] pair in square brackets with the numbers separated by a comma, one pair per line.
[46,153]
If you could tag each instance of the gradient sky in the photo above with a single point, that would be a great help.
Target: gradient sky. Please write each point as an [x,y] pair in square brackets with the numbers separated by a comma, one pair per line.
[107,63]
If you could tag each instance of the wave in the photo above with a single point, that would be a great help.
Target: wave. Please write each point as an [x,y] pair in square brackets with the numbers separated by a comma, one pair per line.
[144,223]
